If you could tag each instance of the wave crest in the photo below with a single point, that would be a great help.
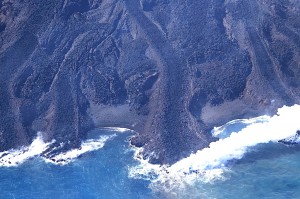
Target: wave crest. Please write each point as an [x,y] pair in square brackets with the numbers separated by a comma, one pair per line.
[15,157]
[86,146]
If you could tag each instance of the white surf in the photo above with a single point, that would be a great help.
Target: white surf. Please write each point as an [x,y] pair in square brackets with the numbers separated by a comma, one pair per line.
[86,146]
[16,157]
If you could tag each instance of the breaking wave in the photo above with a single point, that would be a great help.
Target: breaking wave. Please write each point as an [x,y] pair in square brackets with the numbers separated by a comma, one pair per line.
[209,164]
[86,146]
[117,129]
[15,157]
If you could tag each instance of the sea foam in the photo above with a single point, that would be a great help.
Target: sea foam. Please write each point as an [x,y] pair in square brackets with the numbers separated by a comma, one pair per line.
[86,146]
[15,157]
[209,163]
[117,129]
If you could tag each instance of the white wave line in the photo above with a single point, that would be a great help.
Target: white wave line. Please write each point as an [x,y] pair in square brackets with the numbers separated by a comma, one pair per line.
[15,157]
[86,146]
[118,129]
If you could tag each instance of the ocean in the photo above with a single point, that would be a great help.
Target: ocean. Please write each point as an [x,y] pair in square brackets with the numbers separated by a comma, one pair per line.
[247,162]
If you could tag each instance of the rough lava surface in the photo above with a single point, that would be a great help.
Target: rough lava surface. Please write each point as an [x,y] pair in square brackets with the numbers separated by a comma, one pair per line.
[170,70]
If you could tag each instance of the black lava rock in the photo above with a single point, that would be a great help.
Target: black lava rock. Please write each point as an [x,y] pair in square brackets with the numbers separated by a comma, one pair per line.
[170,70]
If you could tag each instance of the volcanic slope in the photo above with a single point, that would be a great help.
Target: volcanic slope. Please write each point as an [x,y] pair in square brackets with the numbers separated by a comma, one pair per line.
[170,70]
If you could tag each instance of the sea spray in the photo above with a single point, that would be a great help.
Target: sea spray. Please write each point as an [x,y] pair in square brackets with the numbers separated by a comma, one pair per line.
[15,157]
[86,146]
[210,163]
[117,129]
[100,174]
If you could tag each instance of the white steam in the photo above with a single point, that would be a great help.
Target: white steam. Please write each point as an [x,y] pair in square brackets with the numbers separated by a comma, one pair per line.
[210,162]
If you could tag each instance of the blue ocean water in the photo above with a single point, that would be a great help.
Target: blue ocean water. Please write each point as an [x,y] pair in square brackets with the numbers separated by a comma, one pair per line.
[268,170]
[97,174]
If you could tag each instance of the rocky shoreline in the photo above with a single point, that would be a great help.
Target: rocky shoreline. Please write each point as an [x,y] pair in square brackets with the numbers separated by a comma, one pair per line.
[171,71]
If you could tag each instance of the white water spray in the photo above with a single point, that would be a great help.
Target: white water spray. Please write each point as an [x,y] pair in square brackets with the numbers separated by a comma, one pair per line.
[15,157]
[86,146]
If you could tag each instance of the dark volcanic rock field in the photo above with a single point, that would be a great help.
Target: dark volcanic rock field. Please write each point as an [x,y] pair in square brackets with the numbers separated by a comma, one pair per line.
[170,70]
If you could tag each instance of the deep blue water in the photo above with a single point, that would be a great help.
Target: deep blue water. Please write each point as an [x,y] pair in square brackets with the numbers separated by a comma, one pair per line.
[267,171]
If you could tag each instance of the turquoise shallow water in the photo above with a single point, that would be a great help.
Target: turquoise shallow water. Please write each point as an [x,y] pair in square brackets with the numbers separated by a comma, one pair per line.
[267,171]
